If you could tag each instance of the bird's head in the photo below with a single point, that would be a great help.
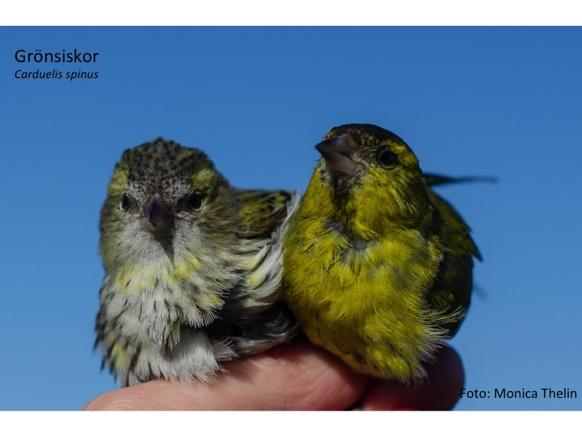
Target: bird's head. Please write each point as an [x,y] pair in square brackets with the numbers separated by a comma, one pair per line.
[164,198]
[371,175]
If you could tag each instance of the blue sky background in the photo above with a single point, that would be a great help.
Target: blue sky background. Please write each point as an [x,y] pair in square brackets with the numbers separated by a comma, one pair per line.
[494,101]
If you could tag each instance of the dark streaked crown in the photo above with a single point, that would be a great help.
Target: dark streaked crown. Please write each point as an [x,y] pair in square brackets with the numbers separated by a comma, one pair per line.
[160,164]
[361,132]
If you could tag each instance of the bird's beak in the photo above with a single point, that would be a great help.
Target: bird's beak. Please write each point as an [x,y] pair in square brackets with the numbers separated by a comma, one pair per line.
[338,154]
[156,214]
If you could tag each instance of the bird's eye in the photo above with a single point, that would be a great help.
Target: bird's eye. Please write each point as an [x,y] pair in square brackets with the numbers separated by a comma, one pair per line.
[127,202]
[387,158]
[193,201]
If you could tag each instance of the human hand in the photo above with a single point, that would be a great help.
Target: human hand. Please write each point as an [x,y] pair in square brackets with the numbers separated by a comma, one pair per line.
[295,376]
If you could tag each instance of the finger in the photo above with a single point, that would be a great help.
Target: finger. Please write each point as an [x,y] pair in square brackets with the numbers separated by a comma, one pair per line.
[295,376]
[439,391]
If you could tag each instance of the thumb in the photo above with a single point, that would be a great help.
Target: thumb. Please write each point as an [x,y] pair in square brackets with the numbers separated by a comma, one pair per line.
[290,377]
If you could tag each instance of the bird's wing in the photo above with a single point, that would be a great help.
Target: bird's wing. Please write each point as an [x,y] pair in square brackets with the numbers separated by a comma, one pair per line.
[254,312]
[455,233]
[433,179]
[262,211]
[450,295]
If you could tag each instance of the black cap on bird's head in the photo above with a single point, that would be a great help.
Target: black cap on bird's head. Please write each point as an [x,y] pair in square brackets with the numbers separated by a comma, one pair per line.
[364,164]
[350,147]
[342,145]
[363,131]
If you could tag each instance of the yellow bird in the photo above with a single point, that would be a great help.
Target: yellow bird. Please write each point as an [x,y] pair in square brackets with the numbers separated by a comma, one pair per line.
[377,266]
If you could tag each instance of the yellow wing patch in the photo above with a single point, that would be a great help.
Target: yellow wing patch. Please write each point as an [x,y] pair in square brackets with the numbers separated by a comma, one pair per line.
[262,211]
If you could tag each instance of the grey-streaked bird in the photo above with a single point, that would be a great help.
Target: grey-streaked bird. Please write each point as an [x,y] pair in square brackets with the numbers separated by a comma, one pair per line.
[192,267]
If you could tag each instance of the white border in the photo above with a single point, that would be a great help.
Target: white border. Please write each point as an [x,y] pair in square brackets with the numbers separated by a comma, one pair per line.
[281,423]
[297,12]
